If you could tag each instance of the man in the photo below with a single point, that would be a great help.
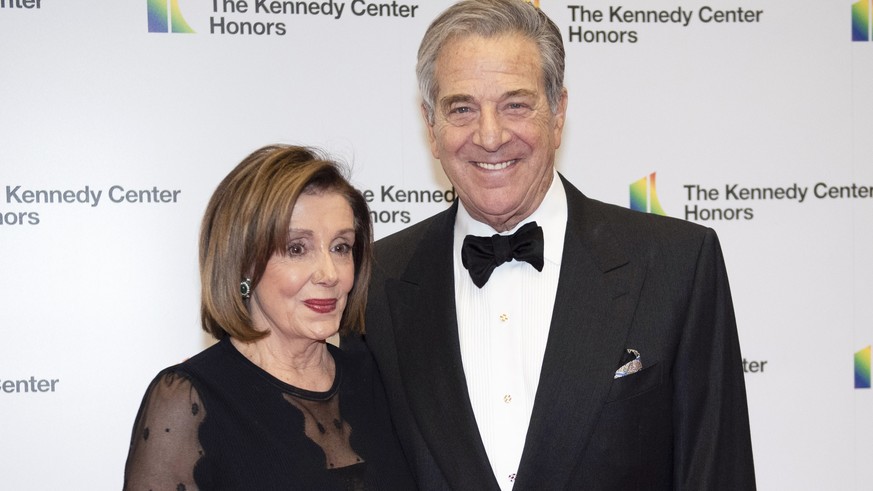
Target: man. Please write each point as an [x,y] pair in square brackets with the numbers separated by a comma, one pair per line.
[610,360]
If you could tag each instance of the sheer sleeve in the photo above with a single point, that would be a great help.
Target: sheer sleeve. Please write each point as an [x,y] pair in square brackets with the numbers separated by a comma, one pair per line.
[164,446]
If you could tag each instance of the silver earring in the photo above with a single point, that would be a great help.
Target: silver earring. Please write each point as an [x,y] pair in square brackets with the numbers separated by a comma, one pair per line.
[245,288]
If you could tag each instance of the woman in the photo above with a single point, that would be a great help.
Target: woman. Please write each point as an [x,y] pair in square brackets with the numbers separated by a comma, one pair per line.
[285,257]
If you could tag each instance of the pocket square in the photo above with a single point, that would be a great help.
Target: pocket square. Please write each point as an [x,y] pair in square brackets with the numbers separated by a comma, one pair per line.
[633,366]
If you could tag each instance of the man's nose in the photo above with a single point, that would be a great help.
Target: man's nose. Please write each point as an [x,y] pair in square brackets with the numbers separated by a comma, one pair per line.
[491,134]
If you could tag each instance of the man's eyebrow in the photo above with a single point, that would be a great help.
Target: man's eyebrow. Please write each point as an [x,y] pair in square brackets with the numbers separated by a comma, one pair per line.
[520,93]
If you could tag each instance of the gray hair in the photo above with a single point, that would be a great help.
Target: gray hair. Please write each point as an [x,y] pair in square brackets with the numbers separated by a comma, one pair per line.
[491,18]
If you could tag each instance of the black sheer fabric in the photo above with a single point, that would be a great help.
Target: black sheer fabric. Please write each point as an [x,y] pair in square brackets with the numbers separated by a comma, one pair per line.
[218,421]
[165,446]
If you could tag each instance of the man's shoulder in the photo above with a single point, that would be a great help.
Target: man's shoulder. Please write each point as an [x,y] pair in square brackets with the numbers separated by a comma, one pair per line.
[412,233]
[399,246]
[630,230]
[640,222]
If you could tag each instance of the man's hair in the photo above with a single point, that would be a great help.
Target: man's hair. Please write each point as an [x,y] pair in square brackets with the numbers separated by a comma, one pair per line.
[246,222]
[491,18]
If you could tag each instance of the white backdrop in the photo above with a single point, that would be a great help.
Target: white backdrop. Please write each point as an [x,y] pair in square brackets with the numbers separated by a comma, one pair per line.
[99,293]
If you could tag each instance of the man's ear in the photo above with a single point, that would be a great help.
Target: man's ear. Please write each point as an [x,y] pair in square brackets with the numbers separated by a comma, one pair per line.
[560,117]
[431,136]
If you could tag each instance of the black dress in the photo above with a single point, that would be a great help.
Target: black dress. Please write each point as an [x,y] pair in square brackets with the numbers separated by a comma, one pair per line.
[217,421]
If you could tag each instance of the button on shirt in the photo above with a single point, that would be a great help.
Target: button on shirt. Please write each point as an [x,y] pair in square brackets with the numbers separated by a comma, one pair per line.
[503,328]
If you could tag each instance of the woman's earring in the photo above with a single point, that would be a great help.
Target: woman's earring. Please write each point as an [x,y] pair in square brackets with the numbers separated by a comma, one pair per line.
[245,288]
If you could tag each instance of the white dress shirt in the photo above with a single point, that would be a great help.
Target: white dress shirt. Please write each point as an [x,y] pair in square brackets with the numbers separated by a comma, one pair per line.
[503,328]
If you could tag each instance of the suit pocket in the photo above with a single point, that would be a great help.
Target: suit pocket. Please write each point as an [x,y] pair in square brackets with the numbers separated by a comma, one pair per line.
[635,384]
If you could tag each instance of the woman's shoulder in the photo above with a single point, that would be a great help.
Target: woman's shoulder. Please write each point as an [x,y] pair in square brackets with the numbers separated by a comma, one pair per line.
[351,357]
[177,382]
[173,390]
[200,364]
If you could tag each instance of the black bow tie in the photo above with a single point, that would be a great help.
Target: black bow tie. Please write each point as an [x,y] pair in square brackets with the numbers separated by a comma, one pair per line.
[480,255]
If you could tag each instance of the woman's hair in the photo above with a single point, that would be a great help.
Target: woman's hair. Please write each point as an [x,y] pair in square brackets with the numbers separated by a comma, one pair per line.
[489,19]
[247,221]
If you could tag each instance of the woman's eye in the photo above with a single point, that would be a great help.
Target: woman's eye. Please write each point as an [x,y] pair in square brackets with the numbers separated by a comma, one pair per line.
[296,249]
[343,248]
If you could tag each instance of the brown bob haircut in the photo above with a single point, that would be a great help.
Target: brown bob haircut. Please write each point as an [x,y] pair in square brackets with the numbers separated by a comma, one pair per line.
[247,221]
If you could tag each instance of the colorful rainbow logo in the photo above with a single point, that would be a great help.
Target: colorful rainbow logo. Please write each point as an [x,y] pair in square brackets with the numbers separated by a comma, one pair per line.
[163,19]
[644,196]
[862,369]
[861,20]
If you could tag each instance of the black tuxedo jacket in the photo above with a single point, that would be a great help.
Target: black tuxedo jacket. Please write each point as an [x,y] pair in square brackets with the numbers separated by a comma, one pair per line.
[628,280]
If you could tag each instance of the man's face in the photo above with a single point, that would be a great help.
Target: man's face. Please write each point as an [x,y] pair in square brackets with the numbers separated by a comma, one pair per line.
[493,130]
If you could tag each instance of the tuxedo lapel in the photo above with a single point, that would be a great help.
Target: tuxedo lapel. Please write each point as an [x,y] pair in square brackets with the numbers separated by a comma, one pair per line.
[596,294]
[422,306]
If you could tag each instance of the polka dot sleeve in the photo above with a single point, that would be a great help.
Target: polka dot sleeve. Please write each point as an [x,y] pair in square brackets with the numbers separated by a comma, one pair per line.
[164,445]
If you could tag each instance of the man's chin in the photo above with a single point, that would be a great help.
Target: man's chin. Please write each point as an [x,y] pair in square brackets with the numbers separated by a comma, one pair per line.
[495,213]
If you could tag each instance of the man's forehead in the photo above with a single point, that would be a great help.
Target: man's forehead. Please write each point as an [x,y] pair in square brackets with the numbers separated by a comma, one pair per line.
[506,41]
[512,62]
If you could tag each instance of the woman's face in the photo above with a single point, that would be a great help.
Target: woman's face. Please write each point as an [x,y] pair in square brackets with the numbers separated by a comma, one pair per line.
[303,291]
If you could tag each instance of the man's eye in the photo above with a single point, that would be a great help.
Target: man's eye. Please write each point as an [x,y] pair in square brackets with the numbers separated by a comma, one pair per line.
[461,115]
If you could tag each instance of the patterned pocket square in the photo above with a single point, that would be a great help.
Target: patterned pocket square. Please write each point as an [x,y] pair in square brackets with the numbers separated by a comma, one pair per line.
[633,366]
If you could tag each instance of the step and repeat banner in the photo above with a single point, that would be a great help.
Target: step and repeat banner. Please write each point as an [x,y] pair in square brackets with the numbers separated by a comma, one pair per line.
[118,119]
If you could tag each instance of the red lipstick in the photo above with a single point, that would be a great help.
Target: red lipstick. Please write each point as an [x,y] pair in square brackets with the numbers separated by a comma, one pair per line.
[321,305]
